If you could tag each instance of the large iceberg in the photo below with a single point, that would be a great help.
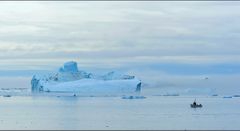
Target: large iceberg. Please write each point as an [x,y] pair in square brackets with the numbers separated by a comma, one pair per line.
[70,79]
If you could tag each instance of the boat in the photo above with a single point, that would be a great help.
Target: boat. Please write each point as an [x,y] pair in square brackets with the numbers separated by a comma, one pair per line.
[196,106]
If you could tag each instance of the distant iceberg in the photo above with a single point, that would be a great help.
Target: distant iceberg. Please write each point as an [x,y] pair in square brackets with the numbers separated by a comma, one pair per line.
[70,79]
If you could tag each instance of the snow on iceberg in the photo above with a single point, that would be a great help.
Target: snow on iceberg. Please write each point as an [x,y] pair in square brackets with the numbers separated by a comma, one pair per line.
[70,79]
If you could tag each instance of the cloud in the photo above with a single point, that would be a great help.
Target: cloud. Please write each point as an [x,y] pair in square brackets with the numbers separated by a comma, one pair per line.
[117,34]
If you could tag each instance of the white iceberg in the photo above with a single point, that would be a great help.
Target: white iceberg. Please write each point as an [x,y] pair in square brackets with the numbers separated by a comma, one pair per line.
[70,79]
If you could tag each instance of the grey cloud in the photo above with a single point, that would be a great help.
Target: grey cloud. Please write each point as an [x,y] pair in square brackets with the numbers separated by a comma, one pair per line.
[178,31]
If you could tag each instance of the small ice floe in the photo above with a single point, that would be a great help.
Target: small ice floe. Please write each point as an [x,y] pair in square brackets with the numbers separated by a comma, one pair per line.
[171,94]
[227,97]
[157,95]
[6,95]
[133,97]
[236,95]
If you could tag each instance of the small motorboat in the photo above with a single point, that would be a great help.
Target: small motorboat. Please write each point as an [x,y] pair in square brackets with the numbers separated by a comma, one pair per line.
[195,105]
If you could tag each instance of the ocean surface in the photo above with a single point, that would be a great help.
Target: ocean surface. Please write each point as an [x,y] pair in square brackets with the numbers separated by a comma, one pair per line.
[43,111]
[165,107]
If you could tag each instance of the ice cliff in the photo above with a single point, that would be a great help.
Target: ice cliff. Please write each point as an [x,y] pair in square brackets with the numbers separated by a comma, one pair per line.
[70,79]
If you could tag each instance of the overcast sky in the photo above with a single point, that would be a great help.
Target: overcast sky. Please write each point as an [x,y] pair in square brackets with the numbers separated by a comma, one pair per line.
[173,37]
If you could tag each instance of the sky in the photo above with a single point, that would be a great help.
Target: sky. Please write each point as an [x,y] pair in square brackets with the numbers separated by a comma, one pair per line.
[141,38]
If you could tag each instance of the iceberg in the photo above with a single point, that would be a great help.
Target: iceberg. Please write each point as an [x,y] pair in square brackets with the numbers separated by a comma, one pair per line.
[70,79]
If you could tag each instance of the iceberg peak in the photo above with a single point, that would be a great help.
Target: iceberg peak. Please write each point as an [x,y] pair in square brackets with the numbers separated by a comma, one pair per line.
[70,66]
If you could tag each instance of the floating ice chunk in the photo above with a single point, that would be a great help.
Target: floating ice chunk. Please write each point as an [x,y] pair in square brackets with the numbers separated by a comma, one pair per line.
[168,94]
[236,95]
[133,97]
[6,95]
[227,97]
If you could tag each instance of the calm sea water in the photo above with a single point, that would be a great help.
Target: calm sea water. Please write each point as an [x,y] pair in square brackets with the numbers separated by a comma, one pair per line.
[154,112]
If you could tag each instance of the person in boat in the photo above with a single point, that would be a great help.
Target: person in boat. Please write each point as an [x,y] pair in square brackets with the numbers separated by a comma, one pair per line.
[195,103]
